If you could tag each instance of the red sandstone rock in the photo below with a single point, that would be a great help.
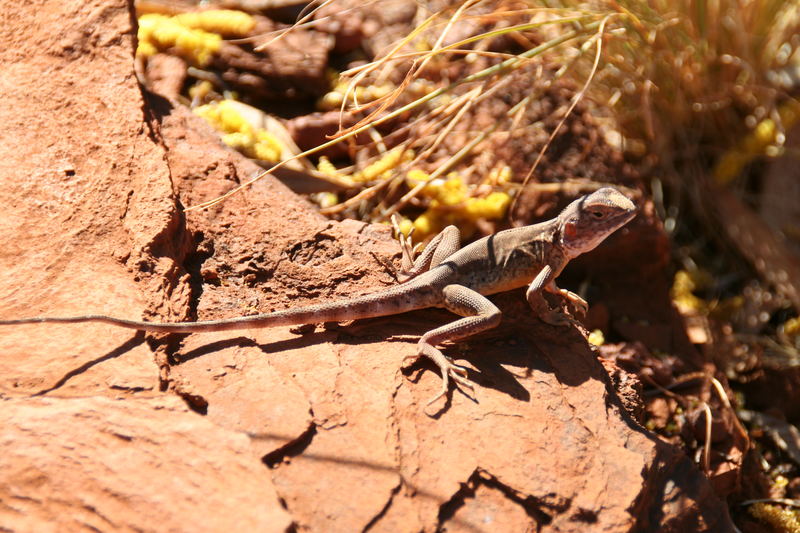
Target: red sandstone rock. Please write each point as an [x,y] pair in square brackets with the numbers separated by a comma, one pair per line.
[133,465]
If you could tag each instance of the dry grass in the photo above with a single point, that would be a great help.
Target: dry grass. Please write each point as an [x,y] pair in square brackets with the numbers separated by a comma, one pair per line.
[433,114]
[690,79]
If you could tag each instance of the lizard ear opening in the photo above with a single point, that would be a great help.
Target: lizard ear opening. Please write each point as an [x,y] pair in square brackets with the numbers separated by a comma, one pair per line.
[570,231]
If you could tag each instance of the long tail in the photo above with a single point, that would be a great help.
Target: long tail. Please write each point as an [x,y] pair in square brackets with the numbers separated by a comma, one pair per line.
[392,301]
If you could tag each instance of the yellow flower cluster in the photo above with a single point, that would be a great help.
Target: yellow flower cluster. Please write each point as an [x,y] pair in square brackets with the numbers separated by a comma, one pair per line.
[780,519]
[379,170]
[499,176]
[684,285]
[194,36]
[240,134]
[361,95]
[755,144]
[327,168]
[596,337]
[791,328]
[382,168]
[159,33]
[226,22]
[451,203]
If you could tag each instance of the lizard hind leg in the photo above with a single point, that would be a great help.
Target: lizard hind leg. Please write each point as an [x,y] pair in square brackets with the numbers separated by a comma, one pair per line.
[479,315]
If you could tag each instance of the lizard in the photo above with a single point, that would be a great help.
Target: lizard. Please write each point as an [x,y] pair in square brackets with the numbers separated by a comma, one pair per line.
[449,276]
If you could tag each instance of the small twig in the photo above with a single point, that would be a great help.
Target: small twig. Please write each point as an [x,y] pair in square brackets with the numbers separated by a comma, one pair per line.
[783,501]
[707,443]
[377,139]
[726,401]
[683,380]
[664,390]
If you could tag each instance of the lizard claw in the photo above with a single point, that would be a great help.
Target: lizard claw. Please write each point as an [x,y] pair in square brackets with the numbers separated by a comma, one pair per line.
[579,303]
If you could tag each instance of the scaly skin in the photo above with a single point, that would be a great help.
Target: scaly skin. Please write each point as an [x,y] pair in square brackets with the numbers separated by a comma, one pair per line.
[448,276]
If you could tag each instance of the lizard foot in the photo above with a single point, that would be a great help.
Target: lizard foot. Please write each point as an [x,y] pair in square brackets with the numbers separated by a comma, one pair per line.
[459,375]
[579,303]
[448,369]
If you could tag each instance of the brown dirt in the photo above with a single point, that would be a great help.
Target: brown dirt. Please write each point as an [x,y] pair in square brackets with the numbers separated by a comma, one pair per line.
[276,430]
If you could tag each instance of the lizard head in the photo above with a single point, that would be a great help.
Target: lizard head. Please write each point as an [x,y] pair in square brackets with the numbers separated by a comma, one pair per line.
[587,221]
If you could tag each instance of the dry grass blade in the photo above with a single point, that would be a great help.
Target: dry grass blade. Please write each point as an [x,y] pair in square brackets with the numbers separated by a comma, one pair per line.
[302,21]
[423,58]
[463,104]
[685,74]
[390,98]
[456,47]
[782,501]
[727,403]
[362,196]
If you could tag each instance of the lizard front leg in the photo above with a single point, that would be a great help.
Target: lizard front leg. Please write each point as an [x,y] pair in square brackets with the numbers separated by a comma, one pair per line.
[541,282]
[442,246]
[479,315]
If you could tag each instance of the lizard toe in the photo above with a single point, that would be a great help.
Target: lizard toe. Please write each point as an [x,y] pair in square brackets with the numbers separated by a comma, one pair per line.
[462,381]
[459,377]
[581,306]
[437,396]
[443,390]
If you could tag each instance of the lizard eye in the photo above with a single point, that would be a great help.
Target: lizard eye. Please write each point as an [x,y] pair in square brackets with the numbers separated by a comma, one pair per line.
[597,214]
